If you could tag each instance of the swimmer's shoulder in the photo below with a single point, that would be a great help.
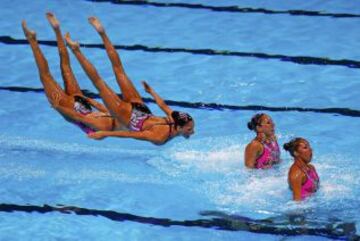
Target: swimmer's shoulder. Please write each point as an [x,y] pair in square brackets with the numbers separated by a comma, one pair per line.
[255,144]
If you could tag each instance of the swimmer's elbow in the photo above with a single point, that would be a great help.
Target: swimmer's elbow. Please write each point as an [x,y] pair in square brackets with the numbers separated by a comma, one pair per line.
[297,197]
[250,165]
[157,139]
[56,106]
[249,161]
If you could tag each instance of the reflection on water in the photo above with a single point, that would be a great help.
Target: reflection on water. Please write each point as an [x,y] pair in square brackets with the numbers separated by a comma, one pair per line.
[288,225]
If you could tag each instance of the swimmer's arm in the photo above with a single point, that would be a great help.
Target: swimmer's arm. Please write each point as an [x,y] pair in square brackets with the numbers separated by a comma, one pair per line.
[73,115]
[139,135]
[159,101]
[252,152]
[69,113]
[295,181]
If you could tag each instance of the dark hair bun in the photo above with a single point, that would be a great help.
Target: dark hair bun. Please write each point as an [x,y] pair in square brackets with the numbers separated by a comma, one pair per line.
[292,145]
[181,118]
[83,101]
[250,125]
[287,146]
[255,121]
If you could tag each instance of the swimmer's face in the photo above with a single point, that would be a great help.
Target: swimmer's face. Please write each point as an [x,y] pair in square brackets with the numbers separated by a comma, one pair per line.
[266,125]
[188,129]
[304,151]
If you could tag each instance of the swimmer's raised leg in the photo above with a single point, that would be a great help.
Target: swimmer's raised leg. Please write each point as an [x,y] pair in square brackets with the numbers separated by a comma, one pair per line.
[129,92]
[118,108]
[53,91]
[71,85]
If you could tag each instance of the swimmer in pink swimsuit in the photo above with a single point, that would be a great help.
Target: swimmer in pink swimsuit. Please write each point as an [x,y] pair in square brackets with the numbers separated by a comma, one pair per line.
[303,178]
[263,151]
[83,108]
[69,102]
[130,109]
[311,184]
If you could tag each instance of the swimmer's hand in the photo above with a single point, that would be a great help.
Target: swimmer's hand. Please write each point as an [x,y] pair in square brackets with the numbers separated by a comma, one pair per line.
[99,135]
[147,87]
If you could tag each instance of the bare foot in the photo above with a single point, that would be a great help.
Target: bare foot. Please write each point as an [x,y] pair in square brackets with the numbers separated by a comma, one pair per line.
[94,21]
[52,20]
[72,44]
[30,35]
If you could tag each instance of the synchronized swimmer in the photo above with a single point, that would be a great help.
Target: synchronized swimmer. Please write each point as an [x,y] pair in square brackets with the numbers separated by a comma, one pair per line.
[71,103]
[263,151]
[303,178]
[129,117]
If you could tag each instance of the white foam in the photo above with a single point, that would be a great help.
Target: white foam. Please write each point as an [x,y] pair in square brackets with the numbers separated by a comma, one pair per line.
[215,155]
[234,188]
[221,160]
[212,166]
[239,191]
[332,191]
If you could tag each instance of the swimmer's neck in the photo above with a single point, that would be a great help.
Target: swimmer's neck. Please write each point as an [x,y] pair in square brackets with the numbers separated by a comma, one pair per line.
[265,138]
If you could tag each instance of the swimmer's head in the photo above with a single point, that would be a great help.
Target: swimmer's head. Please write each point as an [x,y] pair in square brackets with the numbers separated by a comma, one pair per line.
[299,148]
[262,123]
[84,103]
[183,122]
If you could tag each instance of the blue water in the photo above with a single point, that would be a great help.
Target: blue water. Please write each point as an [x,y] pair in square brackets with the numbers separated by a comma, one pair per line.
[47,161]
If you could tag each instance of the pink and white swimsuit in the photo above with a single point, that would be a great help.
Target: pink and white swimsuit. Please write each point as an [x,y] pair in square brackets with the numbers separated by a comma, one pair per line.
[311,184]
[140,113]
[270,155]
[78,107]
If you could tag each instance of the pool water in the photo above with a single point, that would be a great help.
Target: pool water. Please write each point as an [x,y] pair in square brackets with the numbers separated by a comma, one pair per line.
[220,66]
